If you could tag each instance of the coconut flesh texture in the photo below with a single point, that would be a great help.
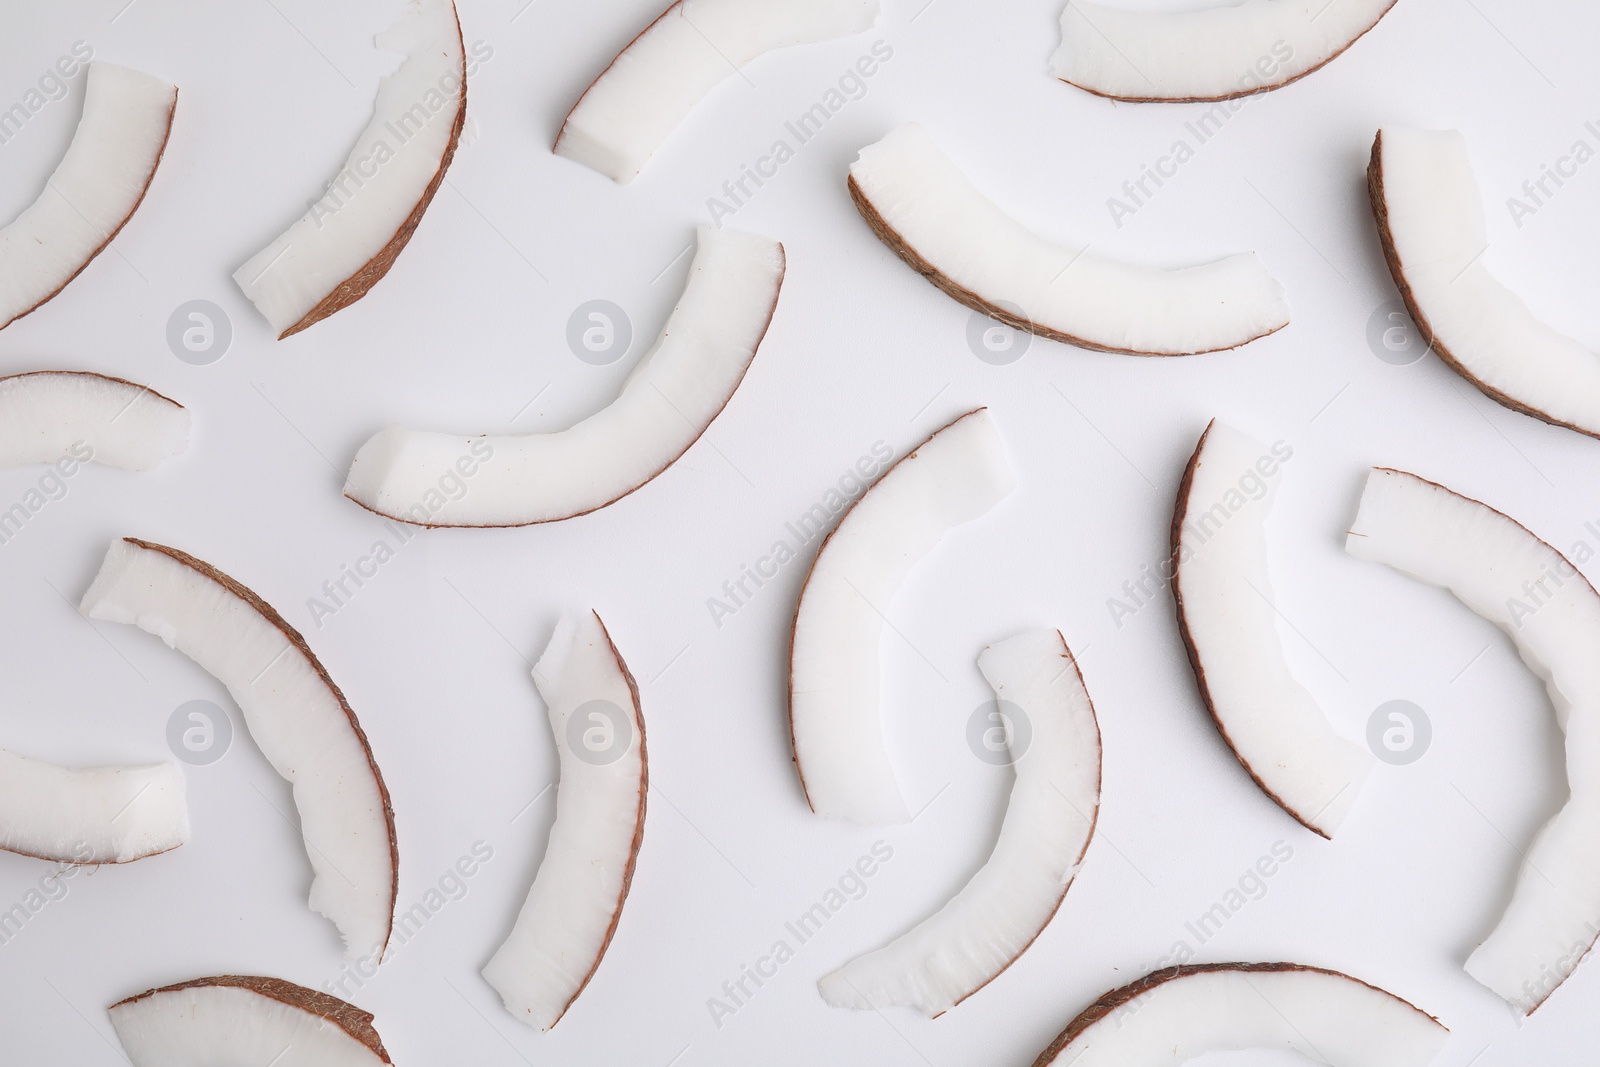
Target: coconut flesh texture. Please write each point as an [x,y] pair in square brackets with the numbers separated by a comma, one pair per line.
[654,83]
[233,1021]
[1049,820]
[95,189]
[1211,54]
[1500,570]
[1225,611]
[48,415]
[350,238]
[953,477]
[934,218]
[1173,1016]
[102,815]
[572,910]
[1431,222]
[295,713]
[666,403]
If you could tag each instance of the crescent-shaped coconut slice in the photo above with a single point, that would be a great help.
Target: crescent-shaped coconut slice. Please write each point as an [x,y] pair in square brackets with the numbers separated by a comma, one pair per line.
[1171,1016]
[666,403]
[47,415]
[953,477]
[571,913]
[102,815]
[1431,224]
[653,84]
[1500,570]
[234,1020]
[1049,821]
[1229,625]
[932,216]
[1215,53]
[297,716]
[95,189]
[350,238]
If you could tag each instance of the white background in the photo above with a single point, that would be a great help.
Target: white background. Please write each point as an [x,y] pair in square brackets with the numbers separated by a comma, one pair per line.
[469,327]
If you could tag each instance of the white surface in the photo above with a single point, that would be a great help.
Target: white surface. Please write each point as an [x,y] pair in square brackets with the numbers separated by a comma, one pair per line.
[434,651]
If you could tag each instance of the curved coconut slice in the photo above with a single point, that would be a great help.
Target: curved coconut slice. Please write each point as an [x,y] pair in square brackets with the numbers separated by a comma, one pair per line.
[46,415]
[666,403]
[295,713]
[1500,570]
[1229,625]
[103,815]
[1174,1015]
[232,1020]
[1049,821]
[1431,223]
[951,478]
[350,238]
[934,218]
[94,191]
[654,83]
[571,913]
[1216,53]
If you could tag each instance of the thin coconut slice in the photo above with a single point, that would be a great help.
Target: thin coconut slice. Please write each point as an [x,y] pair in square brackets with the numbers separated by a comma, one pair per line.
[1500,570]
[235,1021]
[350,238]
[1216,53]
[653,84]
[1174,1015]
[1431,224]
[932,216]
[297,716]
[47,415]
[1229,625]
[953,477]
[94,191]
[103,815]
[1049,821]
[571,913]
[666,403]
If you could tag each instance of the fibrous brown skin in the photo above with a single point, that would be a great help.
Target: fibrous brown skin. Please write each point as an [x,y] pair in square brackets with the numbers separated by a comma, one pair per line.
[93,374]
[347,1017]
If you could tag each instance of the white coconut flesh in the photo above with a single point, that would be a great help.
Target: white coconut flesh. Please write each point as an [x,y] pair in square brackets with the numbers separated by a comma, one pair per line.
[99,815]
[1431,221]
[1170,1017]
[571,912]
[953,477]
[652,85]
[244,1022]
[295,714]
[1049,820]
[1229,624]
[667,401]
[46,416]
[934,218]
[94,190]
[350,237]
[1213,53]
[1500,570]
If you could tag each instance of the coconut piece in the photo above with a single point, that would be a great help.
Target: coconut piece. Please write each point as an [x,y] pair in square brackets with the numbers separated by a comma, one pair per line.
[349,239]
[94,191]
[932,216]
[102,815]
[666,403]
[47,415]
[297,716]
